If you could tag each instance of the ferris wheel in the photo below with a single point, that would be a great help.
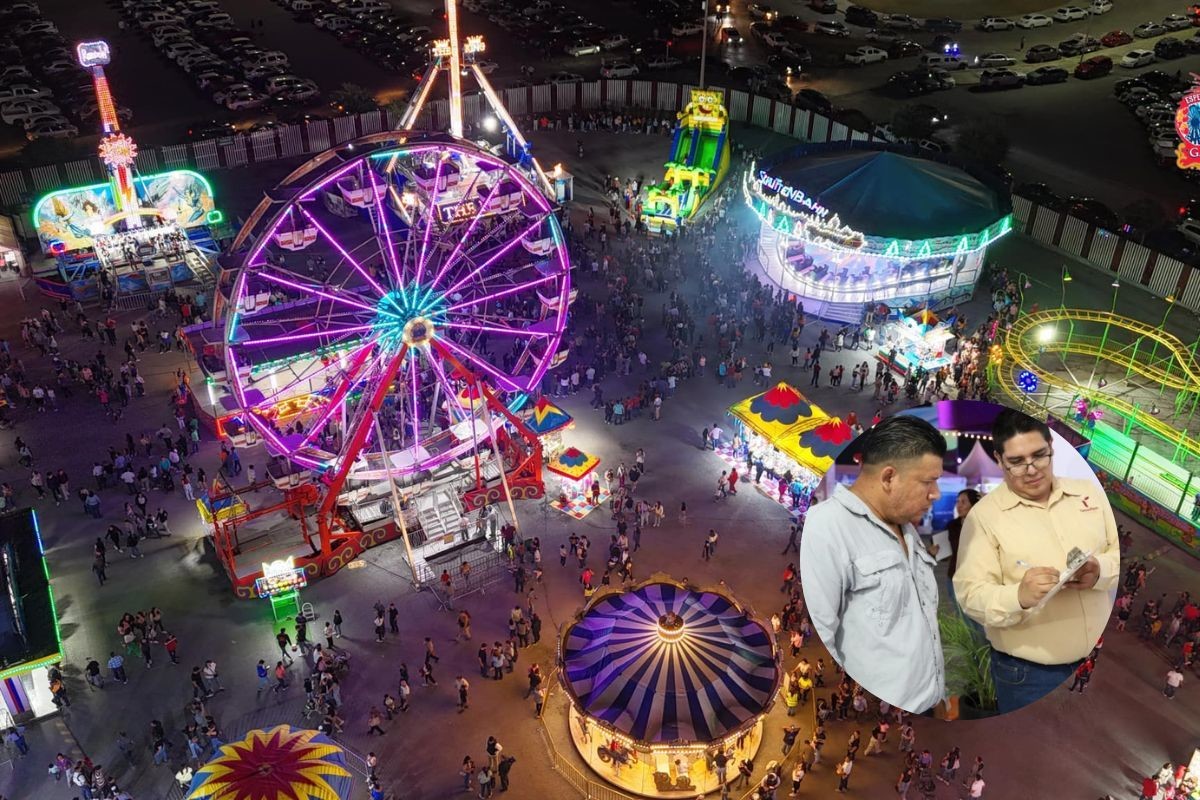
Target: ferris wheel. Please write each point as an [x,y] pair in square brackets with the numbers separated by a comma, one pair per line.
[382,285]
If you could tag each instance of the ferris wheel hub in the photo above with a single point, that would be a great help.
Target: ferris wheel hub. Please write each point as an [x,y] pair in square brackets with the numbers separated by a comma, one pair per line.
[410,315]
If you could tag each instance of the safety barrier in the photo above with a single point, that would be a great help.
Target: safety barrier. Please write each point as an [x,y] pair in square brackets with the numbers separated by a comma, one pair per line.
[1104,250]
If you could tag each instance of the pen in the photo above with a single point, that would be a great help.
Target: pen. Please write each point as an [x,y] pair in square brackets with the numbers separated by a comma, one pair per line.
[1025,564]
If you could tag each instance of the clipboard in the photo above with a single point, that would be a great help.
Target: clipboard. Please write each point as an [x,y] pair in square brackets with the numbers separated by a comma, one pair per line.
[1075,560]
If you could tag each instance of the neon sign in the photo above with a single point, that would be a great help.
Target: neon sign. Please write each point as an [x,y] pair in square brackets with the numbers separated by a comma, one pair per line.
[792,194]
[92,54]
[1187,125]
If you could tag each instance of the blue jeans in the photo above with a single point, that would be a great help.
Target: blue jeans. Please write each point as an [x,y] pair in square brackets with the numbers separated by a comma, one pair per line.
[1020,682]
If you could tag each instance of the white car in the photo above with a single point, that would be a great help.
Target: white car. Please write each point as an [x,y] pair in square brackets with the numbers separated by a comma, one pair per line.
[995,60]
[564,77]
[35,26]
[582,49]
[686,28]
[1137,58]
[1069,13]
[1176,22]
[487,67]
[23,91]
[168,33]
[1100,7]
[42,119]
[332,22]
[1190,229]
[218,20]
[244,99]
[16,111]
[60,129]
[866,55]
[884,36]
[831,27]
[15,72]
[1034,21]
[995,24]
[619,70]
[614,41]
[57,66]
[774,40]
[663,62]
[221,95]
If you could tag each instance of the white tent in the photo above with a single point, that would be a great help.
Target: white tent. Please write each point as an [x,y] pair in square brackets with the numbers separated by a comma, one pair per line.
[978,465]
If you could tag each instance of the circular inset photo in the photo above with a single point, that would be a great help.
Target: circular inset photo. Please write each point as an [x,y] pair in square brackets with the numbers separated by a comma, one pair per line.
[965,562]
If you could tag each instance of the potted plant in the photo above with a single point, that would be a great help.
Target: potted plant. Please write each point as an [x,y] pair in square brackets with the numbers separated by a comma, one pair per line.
[968,665]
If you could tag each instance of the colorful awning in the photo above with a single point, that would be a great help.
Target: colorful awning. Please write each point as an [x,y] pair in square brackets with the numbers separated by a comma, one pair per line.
[815,443]
[775,410]
[573,463]
[284,763]
[696,677]
[547,418]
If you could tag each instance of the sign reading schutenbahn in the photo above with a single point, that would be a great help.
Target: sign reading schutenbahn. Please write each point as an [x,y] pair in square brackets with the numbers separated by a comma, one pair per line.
[1187,125]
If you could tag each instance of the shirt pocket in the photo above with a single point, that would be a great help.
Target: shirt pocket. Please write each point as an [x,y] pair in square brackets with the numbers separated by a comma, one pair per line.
[878,584]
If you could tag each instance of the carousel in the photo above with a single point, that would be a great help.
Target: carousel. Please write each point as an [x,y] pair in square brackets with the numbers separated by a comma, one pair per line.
[786,443]
[661,678]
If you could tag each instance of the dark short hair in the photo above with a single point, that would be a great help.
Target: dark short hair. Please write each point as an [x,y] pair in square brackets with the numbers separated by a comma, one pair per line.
[1010,423]
[901,437]
[973,495]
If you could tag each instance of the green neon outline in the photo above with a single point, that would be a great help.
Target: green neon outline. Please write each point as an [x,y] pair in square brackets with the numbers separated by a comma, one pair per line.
[30,666]
[141,179]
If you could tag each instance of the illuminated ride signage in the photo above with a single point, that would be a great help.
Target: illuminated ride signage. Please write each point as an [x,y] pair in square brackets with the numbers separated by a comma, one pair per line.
[450,213]
[1187,125]
[92,54]
[792,194]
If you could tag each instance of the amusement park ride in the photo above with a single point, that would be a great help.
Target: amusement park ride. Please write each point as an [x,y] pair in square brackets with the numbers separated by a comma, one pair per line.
[387,311]
[133,233]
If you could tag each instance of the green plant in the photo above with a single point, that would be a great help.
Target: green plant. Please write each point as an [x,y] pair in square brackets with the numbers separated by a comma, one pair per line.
[968,660]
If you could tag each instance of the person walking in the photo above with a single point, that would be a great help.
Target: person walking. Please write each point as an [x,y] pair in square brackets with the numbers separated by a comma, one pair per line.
[1083,674]
[116,664]
[285,642]
[463,687]
[374,721]
[380,630]
[1173,681]
[503,770]
[337,624]
[264,676]
[843,772]
[393,618]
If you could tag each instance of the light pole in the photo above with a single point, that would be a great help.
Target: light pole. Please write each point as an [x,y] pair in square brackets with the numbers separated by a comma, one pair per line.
[703,39]
[1066,278]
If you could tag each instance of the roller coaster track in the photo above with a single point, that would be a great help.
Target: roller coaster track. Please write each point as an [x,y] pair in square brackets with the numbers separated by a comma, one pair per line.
[1173,366]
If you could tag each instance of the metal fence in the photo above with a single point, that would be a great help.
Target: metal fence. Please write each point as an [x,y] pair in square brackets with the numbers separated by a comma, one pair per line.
[1104,250]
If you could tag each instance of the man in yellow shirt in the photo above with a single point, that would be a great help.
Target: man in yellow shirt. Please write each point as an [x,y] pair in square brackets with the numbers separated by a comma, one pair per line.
[1014,543]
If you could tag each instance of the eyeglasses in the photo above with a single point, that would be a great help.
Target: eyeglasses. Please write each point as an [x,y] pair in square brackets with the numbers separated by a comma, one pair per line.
[1038,461]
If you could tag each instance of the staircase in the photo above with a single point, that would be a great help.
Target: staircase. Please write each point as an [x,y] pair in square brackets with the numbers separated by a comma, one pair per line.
[440,514]
[834,312]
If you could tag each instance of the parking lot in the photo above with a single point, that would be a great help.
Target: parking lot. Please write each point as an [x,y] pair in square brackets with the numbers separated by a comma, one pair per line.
[1072,135]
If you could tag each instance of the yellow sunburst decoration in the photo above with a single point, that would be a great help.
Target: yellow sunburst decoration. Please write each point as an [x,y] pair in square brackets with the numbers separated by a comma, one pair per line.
[283,763]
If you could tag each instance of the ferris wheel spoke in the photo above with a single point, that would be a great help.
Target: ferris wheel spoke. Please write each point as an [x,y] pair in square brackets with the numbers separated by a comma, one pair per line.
[292,337]
[317,291]
[462,326]
[493,259]
[389,254]
[349,258]
[473,361]
[450,259]
[302,380]
[429,217]
[481,248]
[456,411]
[351,377]
[415,411]
[468,302]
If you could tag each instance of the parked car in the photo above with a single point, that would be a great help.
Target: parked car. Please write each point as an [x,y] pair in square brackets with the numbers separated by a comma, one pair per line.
[564,77]
[686,28]
[823,6]
[1176,22]
[857,15]
[1034,21]
[904,49]
[943,25]
[614,41]
[1041,194]
[23,91]
[1137,58]
[1115,38]
[1148,30]
[762,11]
[866,55]
[1069,14]
[620,69]
[1043,75]
[785,67]
[994,24]
[1041,52]
[883,35]
[1001,79]
[1100,7]
[578,49]
[665,62]
[901,22]
[1091,210]
[14,111]
[58,129]
[1094,67]
[831,27]
[1169,48]
[814,100]
[212,129]
[994,60]
[1190,229]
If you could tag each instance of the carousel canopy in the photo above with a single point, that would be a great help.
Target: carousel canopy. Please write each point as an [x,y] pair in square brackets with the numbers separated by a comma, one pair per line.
[547,417]
[284,763]
[771,413]
[815,443]
[573,463]
[663,663]
[890,195]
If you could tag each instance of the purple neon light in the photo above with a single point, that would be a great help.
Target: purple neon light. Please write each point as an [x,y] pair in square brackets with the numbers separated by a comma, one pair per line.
[437,180]
[416,409]
[340,395]
[337,245]
[502,252]
[504,293]
[301,287]
[291,337]
[239,390]
[389,257]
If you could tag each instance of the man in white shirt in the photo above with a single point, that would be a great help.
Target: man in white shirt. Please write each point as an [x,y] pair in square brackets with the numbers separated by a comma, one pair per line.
[867,578]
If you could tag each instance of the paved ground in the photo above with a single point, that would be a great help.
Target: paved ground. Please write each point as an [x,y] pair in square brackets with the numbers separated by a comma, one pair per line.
[1066,746]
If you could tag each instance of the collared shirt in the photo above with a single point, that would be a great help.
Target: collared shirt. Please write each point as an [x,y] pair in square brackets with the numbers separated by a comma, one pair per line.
[1004,528]
[873,604]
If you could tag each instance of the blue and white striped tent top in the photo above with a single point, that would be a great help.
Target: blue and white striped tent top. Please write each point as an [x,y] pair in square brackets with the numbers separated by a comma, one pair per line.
[718,676]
